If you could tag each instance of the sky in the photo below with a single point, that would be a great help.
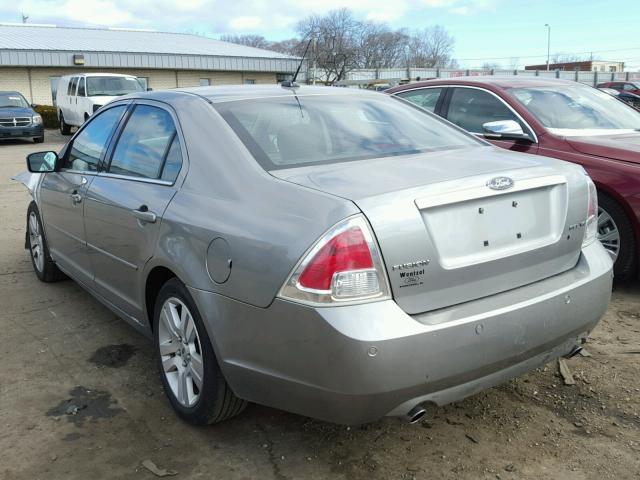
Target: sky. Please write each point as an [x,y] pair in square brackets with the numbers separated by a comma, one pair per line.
[506,32]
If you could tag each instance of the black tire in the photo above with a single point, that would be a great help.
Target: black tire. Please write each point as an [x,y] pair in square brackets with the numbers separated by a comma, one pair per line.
[48,271]
[64,128]
[39,139]
[86,117]
[216,401]
[625,264]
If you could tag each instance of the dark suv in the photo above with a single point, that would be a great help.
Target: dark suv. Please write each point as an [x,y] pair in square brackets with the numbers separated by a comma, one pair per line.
[18,119]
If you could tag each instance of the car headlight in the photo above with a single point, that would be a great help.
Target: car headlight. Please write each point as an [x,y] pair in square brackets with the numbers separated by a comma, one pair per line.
[36,120]
[591,224]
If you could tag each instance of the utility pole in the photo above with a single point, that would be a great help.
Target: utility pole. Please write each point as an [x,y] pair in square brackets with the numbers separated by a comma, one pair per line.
[548,43]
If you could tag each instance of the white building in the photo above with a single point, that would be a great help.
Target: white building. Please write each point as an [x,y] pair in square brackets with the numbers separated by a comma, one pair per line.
[34,57]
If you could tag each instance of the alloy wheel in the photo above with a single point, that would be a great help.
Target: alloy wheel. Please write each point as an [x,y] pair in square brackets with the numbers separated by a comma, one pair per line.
[180,351]
[608,233]
[35,242]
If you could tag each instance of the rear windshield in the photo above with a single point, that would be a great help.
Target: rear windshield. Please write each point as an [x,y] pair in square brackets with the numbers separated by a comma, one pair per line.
[112,86]
[291,131]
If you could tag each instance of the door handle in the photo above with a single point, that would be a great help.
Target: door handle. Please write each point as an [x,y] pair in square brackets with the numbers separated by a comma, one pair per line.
[76,197]
[144,215]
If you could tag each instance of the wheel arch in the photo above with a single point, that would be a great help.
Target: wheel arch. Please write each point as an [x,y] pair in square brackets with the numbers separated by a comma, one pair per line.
[156,278]
[628,210]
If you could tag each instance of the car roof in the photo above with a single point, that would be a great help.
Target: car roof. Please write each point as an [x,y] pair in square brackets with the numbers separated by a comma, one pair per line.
[504,82]
[97,74]
[216,94]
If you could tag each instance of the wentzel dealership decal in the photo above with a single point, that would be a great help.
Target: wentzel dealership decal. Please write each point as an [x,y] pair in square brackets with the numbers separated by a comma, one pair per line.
[411,274]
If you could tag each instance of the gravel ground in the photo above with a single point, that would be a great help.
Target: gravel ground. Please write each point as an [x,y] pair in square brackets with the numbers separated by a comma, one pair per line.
[80,398]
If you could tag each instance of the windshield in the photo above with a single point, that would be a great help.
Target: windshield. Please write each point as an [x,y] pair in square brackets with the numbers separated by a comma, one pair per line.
[112,86]
[12,100]
[577,110]
[291,131]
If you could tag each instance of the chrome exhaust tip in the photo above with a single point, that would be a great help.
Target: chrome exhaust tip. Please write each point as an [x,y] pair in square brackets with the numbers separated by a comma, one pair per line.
[416,414]
[574,351]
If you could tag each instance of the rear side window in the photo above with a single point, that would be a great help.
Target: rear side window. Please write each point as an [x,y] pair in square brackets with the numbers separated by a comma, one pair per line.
[72,86]
[81,89]
[148,146]
[426,98]
[91,142]
[471,108]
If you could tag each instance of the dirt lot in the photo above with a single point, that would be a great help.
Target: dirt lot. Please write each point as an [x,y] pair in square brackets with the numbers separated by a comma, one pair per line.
[63,353]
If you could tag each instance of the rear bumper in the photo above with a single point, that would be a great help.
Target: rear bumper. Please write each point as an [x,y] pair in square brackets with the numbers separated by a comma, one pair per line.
[30,131]
[355,364]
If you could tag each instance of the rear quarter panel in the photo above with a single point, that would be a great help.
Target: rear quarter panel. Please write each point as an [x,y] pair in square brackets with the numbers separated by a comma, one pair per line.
[268,223]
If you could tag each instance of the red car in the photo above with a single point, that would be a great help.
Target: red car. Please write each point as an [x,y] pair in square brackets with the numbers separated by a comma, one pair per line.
[631,87]
[560,119]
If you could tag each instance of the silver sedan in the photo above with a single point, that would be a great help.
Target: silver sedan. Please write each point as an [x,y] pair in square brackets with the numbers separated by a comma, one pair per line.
[340,254]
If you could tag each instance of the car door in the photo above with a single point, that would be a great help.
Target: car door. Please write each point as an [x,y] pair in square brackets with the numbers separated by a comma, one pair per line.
[126,201]
[429,98]
[62,194]
[471,107]
[73,102]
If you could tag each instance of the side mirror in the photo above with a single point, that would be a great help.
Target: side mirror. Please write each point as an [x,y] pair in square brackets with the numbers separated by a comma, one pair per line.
[149,89]
[42,162]
[34,105]
[505,130]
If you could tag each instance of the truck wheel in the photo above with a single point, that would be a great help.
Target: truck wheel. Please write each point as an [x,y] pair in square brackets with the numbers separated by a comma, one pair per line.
[64,128]
[616,235]
[45,268]
[190,373]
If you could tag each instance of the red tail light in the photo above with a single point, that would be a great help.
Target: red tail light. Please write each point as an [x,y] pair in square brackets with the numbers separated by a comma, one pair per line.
[343,266]
[346,251]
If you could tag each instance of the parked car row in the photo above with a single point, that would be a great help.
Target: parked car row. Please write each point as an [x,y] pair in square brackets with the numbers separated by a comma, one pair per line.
[559,119]
[339,254]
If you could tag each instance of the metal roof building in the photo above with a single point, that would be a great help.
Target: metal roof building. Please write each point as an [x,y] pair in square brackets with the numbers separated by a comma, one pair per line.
[33,57]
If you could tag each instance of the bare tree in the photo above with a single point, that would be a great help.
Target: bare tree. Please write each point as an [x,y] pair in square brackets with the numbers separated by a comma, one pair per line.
[336,49]
[514,63]
[380,47]
[430,47]
[490,66]
[570,58]
[291,46]
[257,41]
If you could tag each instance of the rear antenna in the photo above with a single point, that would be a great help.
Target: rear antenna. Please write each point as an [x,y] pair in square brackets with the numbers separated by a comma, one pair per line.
[292,83]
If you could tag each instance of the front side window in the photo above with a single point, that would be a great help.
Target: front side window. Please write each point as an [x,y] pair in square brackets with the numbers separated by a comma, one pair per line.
[146,141]
[89,145]
[426,98]
[112,86]
[295,130]
[630,87]
[470,108]
[577,109]
[13,99]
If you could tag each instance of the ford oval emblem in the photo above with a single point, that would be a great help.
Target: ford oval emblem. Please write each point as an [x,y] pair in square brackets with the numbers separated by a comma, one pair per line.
[500,183]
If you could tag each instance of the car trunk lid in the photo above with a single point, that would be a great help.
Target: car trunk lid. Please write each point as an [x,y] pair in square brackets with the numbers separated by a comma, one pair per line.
[447,237]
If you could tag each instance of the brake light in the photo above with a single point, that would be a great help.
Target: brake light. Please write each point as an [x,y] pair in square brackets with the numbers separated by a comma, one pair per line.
[344,265]
[345,252]
[591,223]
